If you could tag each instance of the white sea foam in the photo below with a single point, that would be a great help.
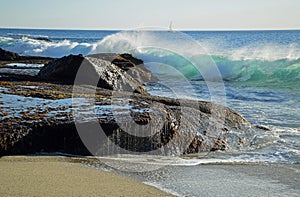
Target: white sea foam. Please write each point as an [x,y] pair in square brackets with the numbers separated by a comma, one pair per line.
[132,41]
[29,46]
[129,41]
[266,52]
[22,65]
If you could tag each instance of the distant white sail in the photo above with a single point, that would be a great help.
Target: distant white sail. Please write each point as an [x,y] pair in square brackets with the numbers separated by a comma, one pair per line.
[171,26]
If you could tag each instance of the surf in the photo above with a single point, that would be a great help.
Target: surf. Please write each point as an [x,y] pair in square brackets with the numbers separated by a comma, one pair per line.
[30,45]
[269,65]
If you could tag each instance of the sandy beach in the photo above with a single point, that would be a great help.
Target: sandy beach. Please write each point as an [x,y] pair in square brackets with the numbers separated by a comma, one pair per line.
[59,176]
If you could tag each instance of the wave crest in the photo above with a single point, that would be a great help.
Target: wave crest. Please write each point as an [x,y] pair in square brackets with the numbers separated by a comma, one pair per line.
[266,52]
[25,45]
[259,63]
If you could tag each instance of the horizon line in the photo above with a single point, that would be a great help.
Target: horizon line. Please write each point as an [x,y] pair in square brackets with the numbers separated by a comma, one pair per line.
[130,29]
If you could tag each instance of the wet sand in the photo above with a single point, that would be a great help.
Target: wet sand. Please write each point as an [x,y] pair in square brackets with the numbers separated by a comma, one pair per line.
[59,176]
[229,180]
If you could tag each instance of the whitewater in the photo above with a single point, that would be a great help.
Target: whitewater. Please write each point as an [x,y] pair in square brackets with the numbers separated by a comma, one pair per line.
[269,57]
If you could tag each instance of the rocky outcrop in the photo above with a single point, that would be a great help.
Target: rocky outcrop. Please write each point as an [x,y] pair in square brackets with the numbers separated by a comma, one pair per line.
[131,65]
[110,71]
[151,124]
[64,68]
[8,56]
[12,57]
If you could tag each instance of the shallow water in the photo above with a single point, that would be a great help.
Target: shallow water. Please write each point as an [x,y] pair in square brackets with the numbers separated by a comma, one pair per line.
[190,177]
[278,109]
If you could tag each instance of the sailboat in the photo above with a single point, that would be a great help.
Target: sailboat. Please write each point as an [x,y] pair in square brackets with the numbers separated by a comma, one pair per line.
[170,26]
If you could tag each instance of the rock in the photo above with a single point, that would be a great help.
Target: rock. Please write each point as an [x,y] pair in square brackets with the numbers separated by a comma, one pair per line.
[11,57]
[41,38]
[261,127]
[123,61]
[133,66]
[171,127]
[8,56]
[64,68]
[111,71]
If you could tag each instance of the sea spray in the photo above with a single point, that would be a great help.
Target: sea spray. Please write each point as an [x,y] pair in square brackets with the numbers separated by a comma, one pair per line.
[258,63]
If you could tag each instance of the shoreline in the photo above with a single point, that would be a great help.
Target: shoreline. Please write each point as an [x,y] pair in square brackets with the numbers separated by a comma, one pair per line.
[206,179]
[61,176]
[75,175]
[235,179]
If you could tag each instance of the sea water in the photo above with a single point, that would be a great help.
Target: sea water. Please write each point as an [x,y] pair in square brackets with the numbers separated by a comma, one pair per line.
[259,72]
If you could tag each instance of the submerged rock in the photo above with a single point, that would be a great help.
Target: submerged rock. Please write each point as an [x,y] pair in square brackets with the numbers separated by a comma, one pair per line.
[41,38]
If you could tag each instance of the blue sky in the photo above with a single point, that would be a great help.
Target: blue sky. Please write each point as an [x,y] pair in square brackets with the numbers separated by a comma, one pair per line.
[130,14]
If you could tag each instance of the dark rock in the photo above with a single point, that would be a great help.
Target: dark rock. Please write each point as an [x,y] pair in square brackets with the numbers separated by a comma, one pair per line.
[41,38]
[171,127]
[123,61]
[11,57]
[111,71]
[64,68]
[262,127]
[8,56]
[41,137]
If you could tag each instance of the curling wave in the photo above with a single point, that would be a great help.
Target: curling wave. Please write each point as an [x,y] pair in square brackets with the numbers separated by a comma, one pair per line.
[268,65]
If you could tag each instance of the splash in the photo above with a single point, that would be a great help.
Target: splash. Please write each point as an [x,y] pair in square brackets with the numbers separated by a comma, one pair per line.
[264,64]
[266,52]
[257,63]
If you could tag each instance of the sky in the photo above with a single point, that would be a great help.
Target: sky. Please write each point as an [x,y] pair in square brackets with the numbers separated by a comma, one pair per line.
[131,14]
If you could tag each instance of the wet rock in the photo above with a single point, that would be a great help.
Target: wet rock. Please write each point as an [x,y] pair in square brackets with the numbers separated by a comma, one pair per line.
[42,39]
[169,126]
[111,71]
[262,127]
[8,56]
[11,57]
[62,69]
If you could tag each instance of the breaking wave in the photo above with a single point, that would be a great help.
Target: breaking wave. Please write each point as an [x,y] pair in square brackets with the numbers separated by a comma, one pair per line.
[269,64]
[43,46]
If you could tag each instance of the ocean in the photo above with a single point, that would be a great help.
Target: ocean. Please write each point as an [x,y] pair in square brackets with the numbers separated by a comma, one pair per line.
[255,73]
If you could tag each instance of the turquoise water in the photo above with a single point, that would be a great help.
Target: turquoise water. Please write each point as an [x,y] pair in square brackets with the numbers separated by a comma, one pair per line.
[256,73]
